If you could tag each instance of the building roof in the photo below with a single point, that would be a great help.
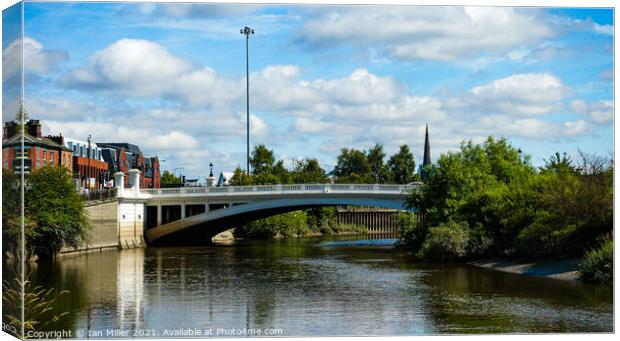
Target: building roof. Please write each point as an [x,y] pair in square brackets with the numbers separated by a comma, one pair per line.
[29,140]
[129,147]
[109,155]
[224,178]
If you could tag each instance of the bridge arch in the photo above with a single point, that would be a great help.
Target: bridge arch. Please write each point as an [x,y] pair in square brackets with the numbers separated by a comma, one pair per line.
[202,227]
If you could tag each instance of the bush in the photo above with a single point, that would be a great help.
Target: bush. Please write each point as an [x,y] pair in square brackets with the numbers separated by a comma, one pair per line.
[480,242]
[544,239]
[282,225]
[446,242]
[411,232]
[598,264]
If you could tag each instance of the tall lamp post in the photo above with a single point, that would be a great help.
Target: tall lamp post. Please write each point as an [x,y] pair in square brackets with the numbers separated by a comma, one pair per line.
[247,31]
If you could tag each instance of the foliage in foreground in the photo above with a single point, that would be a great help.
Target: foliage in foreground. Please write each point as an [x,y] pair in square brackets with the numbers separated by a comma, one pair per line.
[54,212]
[598,264]
[39,312]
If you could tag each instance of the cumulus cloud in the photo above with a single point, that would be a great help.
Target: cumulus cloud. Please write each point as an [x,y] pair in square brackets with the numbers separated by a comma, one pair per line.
[150,140]
[356,109]
[600,112]
[520,94]
[38,60]
[434,33]
[142,68]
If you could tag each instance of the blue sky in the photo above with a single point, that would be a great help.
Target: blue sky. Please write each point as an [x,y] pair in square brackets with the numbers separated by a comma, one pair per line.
[171,78]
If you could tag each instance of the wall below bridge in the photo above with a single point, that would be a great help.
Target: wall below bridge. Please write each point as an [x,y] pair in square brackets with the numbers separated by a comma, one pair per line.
[103,218]
[376,220]
[113,225]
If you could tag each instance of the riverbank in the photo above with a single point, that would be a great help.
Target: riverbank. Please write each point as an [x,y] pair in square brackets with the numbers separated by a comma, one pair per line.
[564,269]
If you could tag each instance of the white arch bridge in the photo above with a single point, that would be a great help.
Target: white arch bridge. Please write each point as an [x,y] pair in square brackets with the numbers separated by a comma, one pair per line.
[196,214]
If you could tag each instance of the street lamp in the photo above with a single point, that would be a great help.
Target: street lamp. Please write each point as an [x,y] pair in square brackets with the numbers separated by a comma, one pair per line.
[247,31]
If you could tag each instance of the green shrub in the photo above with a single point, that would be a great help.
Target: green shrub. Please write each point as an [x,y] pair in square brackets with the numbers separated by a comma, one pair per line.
[480,242]
[598,264]
[446,242]
[411,232]
[543,239]
[282,225]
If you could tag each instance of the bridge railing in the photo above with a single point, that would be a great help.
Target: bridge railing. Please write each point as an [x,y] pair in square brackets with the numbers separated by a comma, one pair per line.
[324,188]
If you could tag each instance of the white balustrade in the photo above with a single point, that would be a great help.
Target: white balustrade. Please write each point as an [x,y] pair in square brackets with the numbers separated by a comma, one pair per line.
[274,189]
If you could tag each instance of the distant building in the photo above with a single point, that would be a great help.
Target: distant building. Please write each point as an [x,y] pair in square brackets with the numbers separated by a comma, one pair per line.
[152,175]
[38,151]
[121,157]
[224,179]
[89,166]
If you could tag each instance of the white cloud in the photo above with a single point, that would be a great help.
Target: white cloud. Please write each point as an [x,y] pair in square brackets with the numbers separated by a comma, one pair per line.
[600,112]
[604,29]
[527,94]
[37,59]
[141,68]
[435,33]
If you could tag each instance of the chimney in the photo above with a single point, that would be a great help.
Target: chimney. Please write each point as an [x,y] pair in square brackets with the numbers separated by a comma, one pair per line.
[34,128]
[9,130]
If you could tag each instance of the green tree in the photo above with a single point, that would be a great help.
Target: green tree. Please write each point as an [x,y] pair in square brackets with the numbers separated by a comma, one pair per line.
[240,178]
[57,212]
[11,211]
[307,171]
[352,166]
[559,164]
[402,165]
[262,160]
[281,173]
[379,171]
[170,180]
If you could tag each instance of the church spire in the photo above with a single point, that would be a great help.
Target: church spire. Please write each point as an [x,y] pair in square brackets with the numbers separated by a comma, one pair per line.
[427,150]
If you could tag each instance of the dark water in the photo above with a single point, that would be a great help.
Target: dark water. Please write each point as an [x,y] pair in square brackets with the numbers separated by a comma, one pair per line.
[310,287]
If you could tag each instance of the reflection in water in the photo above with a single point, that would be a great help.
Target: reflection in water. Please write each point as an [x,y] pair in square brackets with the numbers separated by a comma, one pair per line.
[314,287]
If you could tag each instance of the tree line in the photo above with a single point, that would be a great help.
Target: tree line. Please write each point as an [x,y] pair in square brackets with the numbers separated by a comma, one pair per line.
[352,166]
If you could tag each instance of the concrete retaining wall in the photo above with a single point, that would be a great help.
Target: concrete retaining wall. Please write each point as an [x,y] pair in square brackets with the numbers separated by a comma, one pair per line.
[103,218]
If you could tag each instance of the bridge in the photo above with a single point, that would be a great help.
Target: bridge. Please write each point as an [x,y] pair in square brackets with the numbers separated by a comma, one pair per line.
[196,214]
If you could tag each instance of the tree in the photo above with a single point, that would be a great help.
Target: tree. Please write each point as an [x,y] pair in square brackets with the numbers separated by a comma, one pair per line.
[352,166]
[559,164]
[11,211]
[240,178]
[281,173]
[402,165]
[57,212]
[262,160]
[307,171]
[379,172]
[170,180]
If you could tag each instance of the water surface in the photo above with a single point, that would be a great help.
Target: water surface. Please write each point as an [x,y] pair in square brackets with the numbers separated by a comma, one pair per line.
[311,287]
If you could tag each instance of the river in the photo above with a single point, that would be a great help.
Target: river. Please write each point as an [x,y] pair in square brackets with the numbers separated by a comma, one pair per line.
[309,287]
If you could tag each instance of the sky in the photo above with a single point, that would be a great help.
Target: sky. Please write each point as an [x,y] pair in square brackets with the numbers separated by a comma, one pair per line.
[171,78]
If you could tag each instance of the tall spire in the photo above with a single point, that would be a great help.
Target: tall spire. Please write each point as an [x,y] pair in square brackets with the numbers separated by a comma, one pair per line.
[427,150]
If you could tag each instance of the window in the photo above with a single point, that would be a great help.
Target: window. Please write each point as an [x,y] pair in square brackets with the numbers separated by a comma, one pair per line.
[52,156]
[19,153]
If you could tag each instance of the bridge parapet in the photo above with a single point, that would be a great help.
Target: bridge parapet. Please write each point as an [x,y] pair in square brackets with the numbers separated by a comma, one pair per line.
[280,189]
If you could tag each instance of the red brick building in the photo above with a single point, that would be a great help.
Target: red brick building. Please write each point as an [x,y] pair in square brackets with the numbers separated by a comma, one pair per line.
[38,150]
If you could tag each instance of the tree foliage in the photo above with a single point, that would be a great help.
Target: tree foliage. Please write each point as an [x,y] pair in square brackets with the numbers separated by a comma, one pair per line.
[56,210]
[168,179]
[352,166]
[402,165]
[379,171]
[511,208]
[240,178]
